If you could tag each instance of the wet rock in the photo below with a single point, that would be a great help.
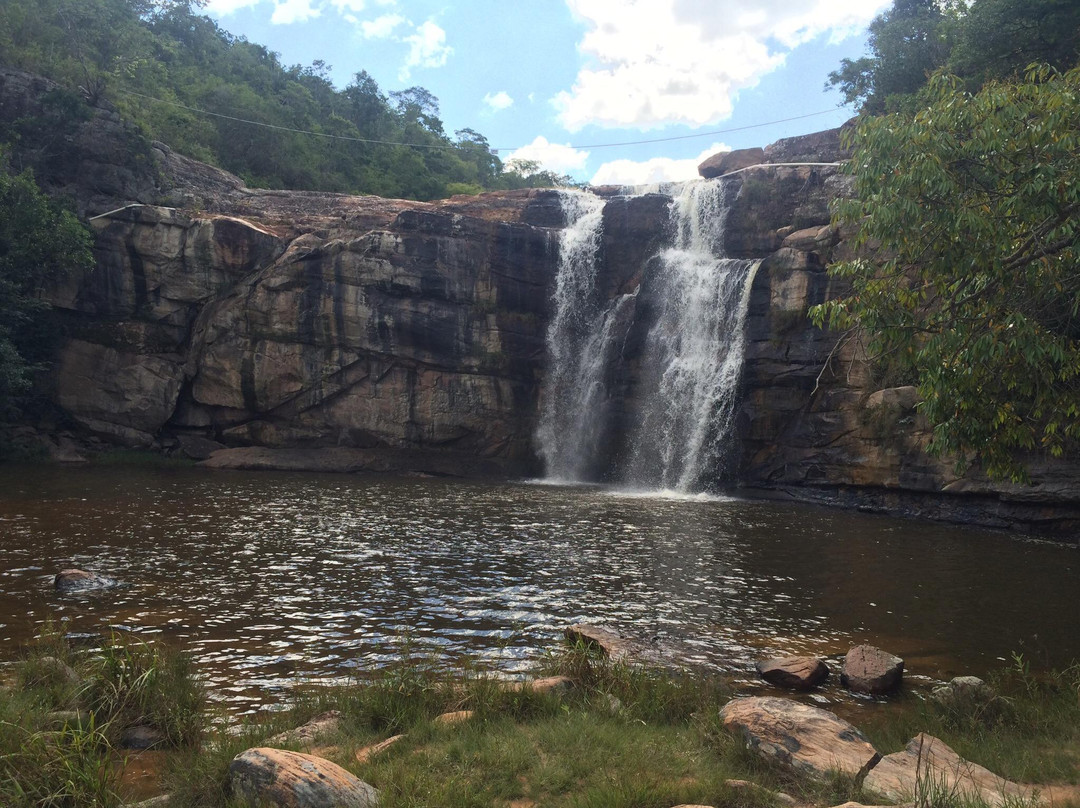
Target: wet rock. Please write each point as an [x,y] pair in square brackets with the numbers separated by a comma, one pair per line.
[142,737]
[74,580]
[964,691]
[295,780]
[807,740]
[725,162]
[456,717]
[616,647]
[195,447]
[307,734]
[794,673]
[928,763]
[368,752]
[871,671]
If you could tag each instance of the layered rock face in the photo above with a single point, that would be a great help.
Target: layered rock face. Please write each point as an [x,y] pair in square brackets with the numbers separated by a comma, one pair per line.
[359,332]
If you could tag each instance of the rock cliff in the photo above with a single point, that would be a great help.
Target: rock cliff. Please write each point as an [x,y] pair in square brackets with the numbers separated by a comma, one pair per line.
[356,332]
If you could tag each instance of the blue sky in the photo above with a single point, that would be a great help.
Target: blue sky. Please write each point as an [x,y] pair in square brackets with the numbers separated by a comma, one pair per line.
[555,80]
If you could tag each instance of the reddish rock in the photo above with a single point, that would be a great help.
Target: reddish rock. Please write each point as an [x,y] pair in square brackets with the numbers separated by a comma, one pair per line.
[871,671]
[795,673]
[368,752]
[925,759]
[725,162]
[614,646]
[266,776]
[456,717]
[807,740]
[74,580]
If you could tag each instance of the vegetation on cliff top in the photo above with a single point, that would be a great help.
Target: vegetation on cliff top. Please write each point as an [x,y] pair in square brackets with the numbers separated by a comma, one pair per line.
[126,52]
[967,215]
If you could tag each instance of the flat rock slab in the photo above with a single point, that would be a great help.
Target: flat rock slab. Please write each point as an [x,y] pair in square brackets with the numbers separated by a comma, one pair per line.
[808,740]
[794,673]
[82,581]
[615,647]
[927,760]
[305,735]
[266,776]
[871,671]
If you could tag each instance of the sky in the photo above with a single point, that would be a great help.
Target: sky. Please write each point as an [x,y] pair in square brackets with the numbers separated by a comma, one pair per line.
[558,81]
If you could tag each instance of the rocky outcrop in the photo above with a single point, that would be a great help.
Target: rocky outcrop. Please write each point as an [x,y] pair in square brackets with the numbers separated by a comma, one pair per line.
[318,330]
[266,776]
[927,769]
[807,740]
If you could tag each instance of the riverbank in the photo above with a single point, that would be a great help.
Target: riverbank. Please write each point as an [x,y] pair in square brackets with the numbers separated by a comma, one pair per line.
[592,732]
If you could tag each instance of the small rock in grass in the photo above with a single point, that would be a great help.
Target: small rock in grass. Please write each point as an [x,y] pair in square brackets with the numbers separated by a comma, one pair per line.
[368,752]
[455,717]
[305,735]
[266,776]
[794,673]
[871,671]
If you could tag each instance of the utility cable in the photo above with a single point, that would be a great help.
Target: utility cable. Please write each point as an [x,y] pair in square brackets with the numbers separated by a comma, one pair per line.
[457,146]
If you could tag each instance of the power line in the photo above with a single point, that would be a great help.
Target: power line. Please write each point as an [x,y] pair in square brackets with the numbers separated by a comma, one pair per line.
[454,147]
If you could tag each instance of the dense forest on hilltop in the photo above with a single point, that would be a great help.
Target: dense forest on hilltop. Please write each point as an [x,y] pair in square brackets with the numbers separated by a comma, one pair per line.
[126,52]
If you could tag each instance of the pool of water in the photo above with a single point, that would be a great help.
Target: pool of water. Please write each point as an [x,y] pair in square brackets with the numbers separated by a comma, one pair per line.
[273,579]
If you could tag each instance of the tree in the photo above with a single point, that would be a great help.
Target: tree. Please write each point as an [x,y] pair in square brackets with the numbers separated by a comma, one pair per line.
[907,43]
[972,206]
[38,242]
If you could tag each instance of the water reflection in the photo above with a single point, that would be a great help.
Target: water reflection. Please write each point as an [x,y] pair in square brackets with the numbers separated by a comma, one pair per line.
[275,578]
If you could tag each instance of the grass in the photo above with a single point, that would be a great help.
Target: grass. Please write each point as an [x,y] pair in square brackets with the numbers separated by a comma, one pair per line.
[1029,732]
[61,723]
[621,737]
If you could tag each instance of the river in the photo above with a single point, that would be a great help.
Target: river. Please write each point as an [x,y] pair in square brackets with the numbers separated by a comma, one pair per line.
[275,579]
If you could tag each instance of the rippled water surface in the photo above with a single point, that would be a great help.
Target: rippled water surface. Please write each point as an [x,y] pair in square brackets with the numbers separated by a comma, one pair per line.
[271,579]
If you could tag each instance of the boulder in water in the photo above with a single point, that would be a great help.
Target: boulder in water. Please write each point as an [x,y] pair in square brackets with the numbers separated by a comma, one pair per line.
[802,738]
[794,673]
[74,580]
[871,671]
[266,776]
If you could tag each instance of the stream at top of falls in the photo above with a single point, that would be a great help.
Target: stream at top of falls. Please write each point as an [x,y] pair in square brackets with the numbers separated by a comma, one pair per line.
[275,579]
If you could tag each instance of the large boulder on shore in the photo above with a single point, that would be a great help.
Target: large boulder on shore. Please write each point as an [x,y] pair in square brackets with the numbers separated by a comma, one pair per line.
[794,673]
[265,776]
[928,763]
[871,671]
[808,740]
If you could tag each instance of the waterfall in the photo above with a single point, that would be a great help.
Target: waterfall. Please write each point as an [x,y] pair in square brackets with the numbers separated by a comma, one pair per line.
[571,428]
[694,352]
[686,390]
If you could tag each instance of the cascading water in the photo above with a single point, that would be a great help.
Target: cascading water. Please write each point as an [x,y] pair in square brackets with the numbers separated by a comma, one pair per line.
[570,426]
[690,369]
[694,352]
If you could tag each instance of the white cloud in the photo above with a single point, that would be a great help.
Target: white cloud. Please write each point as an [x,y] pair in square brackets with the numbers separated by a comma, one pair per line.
[658,169]
[658,62]
[224,7]
[427,48]
[557,157]
[290,11]
[381,27]
[498,101]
